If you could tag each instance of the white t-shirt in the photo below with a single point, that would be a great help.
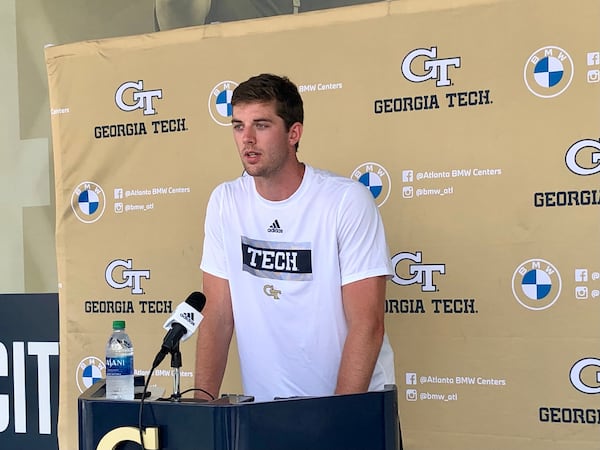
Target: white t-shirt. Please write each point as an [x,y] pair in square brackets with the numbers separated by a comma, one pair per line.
[286,262]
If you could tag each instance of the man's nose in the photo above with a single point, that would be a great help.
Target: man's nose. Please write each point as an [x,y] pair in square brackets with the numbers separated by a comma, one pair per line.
[248,137]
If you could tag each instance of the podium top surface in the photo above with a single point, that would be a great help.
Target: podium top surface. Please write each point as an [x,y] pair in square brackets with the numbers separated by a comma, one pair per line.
[366,421]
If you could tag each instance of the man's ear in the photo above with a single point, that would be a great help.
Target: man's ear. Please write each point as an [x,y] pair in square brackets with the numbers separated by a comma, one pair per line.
[295,133]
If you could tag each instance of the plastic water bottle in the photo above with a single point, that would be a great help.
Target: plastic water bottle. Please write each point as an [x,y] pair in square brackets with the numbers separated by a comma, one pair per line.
[119,364]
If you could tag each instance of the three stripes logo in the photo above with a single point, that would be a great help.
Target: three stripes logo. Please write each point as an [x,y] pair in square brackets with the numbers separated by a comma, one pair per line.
[189,317]
[275,227]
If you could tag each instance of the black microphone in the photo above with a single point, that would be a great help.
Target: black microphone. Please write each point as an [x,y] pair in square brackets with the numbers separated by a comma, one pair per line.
[182,324]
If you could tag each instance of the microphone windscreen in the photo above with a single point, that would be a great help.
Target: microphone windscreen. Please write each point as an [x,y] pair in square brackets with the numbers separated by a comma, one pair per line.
[196,300]
[187,314]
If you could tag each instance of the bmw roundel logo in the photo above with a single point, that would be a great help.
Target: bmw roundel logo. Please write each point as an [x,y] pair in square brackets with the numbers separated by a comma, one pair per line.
[536,284]
[219,102]
[89,371]
[376,179]
[88,202]
[548,72]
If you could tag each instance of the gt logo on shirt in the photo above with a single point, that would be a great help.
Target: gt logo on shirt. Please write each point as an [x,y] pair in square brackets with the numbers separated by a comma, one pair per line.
[269,290]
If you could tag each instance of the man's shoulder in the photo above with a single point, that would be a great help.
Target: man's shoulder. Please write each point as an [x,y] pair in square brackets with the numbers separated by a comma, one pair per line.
[240,183]
[324,176]
[339,185]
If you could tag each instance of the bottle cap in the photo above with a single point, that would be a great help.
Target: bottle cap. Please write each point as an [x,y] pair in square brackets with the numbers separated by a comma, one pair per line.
[118,324]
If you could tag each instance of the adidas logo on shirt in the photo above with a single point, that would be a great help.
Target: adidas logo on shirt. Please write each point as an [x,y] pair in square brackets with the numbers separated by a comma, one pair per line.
[275,228]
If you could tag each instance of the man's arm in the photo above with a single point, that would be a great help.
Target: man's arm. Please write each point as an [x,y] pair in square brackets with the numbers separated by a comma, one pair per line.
[214,336]
[363,303]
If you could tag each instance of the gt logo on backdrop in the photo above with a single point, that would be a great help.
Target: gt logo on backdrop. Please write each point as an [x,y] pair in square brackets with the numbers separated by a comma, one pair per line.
[431,69]
[589,163]
[536,284]
[131,96]
[548,72]
[585,375]
[219,102]
[422,273]
[129,278]
[88,202]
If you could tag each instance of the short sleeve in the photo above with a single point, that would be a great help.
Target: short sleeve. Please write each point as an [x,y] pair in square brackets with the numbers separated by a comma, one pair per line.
[363,249]
[213,253]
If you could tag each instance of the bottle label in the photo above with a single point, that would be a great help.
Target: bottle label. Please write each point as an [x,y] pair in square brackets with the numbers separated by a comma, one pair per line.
[119,365]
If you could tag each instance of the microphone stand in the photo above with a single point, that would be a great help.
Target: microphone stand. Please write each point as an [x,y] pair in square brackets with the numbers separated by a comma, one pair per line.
[175,365]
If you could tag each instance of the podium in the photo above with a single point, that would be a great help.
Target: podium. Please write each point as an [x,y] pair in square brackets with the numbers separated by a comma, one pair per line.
[367,421]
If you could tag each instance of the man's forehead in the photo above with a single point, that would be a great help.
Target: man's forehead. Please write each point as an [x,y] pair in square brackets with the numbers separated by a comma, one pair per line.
[254,109]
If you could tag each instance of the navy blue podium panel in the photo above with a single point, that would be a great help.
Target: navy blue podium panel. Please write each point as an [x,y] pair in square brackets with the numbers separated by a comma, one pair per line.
[366,421]
[29,364]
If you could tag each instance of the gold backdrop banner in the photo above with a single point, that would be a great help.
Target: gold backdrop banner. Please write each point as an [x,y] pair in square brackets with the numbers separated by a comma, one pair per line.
[475,125]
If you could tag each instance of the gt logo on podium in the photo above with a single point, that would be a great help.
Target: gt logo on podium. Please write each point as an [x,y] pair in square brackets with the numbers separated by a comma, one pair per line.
[122,434]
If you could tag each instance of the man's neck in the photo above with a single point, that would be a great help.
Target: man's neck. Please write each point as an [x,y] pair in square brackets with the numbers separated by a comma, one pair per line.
[284,186]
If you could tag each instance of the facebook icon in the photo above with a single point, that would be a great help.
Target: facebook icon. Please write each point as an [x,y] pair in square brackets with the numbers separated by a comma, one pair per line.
[411,378]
